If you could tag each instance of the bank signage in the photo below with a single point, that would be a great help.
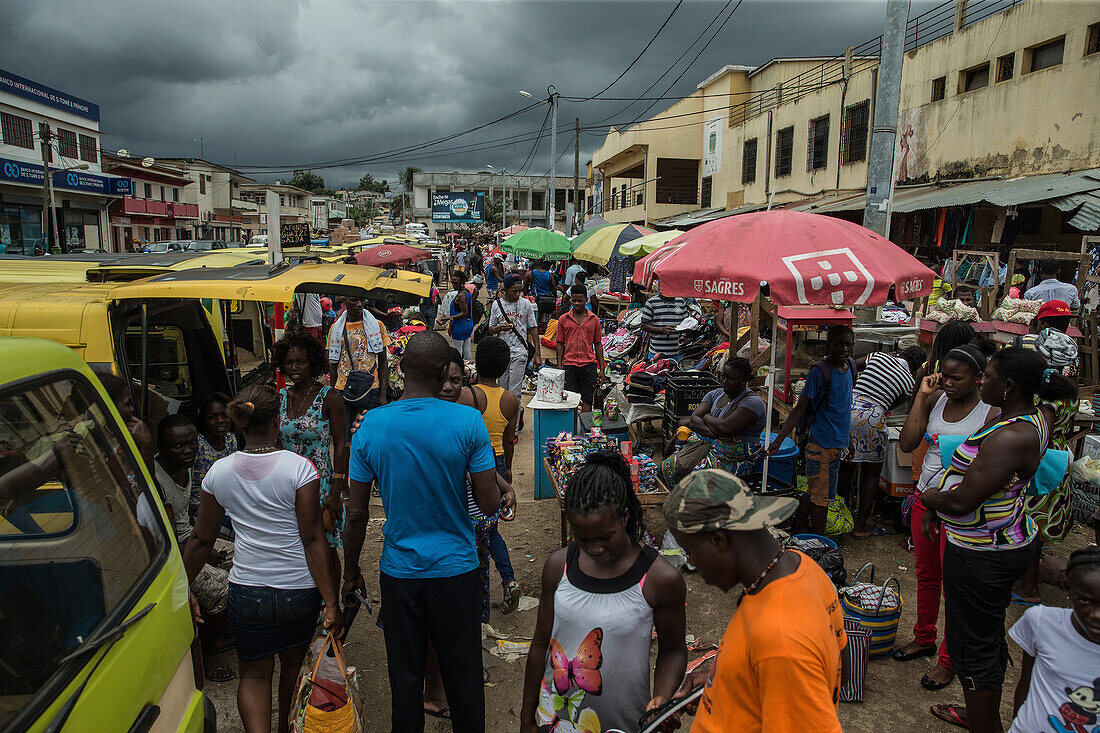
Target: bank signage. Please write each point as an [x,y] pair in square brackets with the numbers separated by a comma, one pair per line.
[458,208]
[27,89]
[18,171]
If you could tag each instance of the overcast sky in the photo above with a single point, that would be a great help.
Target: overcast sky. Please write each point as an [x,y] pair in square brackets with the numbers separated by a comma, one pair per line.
[269,82]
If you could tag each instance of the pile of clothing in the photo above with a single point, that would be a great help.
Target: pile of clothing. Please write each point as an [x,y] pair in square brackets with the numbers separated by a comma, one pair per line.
[1017,310]
[951,310]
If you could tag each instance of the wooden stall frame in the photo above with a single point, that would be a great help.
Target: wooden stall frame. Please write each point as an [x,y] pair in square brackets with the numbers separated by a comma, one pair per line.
[1090,328]
[989,298]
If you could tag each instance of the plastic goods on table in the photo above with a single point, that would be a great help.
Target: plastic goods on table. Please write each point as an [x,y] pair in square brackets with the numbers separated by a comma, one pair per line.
[568,452]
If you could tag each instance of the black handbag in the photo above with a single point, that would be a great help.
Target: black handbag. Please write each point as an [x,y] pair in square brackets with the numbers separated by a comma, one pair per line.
[358,384]
[523,338]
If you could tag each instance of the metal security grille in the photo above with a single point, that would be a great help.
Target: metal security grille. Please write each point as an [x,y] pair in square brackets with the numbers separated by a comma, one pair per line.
[817,146]
[748,161]
[853,132]
[17,131]
[704,195]
[66,143]
[784,149]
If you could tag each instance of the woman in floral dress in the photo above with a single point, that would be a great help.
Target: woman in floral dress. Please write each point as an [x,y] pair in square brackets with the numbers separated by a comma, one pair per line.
[311,423]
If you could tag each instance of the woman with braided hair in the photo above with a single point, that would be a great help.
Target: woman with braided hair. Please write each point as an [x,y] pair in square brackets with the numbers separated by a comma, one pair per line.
[602,596]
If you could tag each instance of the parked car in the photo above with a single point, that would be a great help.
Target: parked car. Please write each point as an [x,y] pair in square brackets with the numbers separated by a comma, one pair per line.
[204,245]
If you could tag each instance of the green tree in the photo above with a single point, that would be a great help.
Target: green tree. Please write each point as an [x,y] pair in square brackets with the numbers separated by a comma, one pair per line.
[369,183]
[493,206]
[308,181]
[358,215]
[405,177]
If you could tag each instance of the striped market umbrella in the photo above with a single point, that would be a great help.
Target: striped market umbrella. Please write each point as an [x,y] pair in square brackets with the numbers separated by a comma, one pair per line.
[599,244]
[537,244]
[649,243]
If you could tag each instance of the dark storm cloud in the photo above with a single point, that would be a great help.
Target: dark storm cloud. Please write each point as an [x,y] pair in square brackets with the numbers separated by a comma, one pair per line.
[274,82]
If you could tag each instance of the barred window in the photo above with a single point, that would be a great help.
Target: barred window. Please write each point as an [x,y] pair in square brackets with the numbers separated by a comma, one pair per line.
[939,88]
[66,144]
[704,196]
[853,132]
[784,151]
[748,161]
[89,150]
[817,146]
[17,131]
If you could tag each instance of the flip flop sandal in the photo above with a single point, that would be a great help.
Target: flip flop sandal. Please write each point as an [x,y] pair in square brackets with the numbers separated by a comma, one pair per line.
[950,714]
[444,712]
[220,674]
[1023,601]
[901,656]
[876,532]
[930,684]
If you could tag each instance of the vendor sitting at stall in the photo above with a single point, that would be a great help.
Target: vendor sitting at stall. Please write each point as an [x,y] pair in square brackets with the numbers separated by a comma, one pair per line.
[729,422]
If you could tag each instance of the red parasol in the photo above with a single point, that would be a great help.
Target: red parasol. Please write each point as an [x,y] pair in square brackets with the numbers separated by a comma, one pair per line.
[806,259]
[398,254]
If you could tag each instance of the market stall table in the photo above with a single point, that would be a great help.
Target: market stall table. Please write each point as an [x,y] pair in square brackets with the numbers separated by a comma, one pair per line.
[647,499]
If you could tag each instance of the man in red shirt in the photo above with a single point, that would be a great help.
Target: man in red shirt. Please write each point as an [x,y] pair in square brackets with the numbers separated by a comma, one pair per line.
[580,347]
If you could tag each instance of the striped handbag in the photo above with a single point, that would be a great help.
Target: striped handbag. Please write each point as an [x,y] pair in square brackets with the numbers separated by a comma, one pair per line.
[876,608]
[857,653]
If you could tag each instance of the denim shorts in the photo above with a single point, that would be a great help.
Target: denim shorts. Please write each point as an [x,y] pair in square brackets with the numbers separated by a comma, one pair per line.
[266,621]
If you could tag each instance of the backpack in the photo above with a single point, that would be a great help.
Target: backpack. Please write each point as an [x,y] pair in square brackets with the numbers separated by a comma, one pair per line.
[802,434]
[477,310]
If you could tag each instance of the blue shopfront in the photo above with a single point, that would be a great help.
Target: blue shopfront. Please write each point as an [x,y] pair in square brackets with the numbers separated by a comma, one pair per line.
[79,209]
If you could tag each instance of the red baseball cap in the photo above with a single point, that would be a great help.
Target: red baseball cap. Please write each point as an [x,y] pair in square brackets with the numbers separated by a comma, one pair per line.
[1054,309]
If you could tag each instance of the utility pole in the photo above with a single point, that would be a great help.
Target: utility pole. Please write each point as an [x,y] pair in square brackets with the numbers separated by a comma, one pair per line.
[880,164]
[553,150]
[574,225]
[46,137]
[503,197]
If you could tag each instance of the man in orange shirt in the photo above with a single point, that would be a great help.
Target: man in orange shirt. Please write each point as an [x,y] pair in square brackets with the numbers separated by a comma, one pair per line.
[779,664]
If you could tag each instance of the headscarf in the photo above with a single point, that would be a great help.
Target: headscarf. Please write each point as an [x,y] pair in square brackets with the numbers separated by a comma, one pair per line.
[1059,349]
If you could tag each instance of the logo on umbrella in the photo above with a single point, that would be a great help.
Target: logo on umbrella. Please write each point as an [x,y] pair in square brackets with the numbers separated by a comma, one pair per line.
[385,252]
[836,271]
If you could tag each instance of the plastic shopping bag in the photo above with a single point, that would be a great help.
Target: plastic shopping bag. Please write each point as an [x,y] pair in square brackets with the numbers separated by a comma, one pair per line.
[327,700]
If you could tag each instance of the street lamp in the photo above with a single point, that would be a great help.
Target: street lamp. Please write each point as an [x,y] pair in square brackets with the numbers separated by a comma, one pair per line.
[503,195]
[552,100]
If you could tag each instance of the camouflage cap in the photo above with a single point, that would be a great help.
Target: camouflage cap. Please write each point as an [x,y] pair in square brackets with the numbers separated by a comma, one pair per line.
[714,499]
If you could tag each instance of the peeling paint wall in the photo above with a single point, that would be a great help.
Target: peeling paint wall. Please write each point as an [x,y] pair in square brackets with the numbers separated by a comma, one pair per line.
[1035,122]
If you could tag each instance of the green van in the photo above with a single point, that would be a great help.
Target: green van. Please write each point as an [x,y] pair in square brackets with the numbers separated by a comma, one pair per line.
[95,627]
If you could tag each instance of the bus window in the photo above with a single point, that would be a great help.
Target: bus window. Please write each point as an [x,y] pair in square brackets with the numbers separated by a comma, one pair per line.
[77,534]
[169,372]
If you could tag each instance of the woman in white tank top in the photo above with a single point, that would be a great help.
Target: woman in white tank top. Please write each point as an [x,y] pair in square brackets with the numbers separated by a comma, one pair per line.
[602,596]
[947,403]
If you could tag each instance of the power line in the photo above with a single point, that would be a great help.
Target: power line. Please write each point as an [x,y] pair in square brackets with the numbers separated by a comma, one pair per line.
[692,63]
[640,54]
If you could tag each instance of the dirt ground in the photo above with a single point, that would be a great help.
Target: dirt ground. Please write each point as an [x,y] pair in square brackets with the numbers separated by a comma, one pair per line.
[893,697]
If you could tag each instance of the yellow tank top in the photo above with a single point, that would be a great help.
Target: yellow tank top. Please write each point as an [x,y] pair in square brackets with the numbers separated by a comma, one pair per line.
[495,422]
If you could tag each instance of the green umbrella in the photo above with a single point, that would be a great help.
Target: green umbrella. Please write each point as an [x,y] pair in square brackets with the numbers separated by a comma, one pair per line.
[649,243]
[538,244]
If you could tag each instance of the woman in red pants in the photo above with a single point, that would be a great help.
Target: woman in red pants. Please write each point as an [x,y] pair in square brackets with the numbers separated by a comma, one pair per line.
[947,403]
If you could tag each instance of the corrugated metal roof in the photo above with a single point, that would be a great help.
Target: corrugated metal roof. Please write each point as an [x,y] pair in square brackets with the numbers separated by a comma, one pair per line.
[1087,217]
[1010,192]
[832,202]
[704,215]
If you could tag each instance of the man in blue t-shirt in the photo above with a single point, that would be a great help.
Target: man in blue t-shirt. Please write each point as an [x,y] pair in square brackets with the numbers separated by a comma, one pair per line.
[419,450]
[831,427]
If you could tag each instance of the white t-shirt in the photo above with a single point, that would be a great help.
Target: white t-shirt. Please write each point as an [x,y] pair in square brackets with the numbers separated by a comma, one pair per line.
[310,306]
[176,496]
[1064,679]
[522,315]
[258,491]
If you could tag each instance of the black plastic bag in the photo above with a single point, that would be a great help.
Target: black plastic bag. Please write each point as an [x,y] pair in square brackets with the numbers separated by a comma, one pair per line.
[828,557]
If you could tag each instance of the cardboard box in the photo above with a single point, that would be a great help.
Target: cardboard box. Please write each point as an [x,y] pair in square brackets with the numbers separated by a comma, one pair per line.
[897,473]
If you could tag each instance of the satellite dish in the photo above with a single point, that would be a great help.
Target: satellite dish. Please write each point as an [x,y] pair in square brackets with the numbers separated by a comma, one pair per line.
[123,153]
[147,162]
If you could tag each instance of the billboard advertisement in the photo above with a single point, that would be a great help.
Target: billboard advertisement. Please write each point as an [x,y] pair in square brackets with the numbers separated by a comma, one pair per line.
[449,207]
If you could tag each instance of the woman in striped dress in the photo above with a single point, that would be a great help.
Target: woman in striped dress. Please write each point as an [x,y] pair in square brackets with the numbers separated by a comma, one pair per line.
[990,539]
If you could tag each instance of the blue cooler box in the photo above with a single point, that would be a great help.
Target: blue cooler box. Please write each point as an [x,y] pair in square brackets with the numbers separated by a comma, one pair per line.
[782,463]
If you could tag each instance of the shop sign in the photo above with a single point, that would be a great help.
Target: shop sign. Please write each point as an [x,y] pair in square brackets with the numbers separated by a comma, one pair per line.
[458,208]
[712,146]
[294,235]
[120,221]
[17,85]
[18,171]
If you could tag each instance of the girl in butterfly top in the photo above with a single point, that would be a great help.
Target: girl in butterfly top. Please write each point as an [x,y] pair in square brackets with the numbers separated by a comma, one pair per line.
[602,596]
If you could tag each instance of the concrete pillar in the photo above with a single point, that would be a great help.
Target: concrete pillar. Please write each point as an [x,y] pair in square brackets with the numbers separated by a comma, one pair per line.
[960,14]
